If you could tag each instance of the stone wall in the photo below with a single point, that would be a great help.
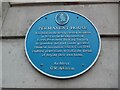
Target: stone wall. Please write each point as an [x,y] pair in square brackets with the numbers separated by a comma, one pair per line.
[17,72]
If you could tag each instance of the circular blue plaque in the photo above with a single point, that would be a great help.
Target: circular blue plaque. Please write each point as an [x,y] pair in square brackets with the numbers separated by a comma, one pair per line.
[62,44]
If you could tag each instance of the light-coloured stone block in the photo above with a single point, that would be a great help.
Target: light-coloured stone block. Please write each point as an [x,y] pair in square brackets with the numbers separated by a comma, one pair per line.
[19,19]
[19,73]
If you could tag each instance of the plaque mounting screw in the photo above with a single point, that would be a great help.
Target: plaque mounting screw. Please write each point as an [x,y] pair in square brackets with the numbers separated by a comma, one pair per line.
[41,64]
[83,65]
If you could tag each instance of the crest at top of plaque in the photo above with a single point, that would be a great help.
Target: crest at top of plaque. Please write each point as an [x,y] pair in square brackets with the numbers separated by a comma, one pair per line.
[62,18]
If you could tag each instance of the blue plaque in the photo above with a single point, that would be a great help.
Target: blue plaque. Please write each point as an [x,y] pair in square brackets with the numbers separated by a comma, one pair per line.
[62,44]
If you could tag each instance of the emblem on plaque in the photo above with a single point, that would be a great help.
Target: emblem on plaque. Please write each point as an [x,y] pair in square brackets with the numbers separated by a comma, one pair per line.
[62,18]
